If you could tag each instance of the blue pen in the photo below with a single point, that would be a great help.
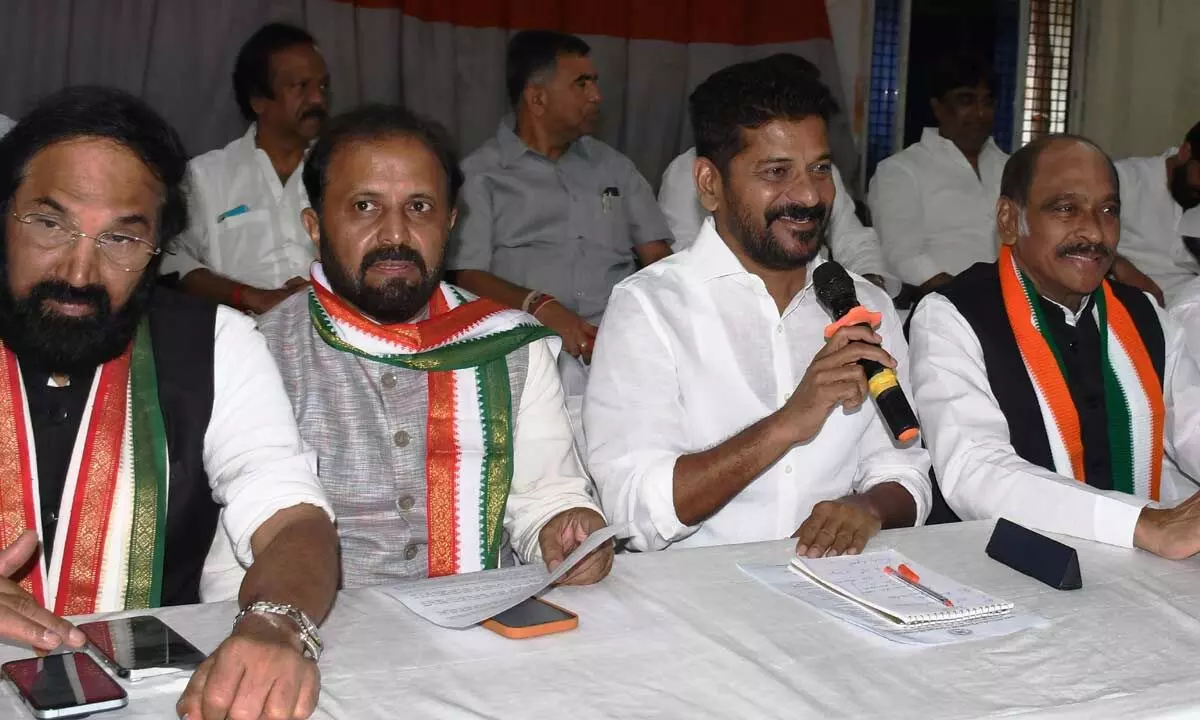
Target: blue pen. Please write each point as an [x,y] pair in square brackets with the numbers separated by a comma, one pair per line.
[232,213]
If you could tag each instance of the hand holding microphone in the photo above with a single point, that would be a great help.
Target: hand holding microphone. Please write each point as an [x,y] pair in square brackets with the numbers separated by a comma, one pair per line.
[834,377]
[835,291]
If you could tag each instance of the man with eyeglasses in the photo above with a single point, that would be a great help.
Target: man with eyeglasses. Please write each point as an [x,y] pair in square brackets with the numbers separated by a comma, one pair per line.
[134,421]
[246,246]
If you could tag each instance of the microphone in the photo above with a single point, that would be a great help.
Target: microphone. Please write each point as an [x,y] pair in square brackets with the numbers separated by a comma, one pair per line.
[835,291]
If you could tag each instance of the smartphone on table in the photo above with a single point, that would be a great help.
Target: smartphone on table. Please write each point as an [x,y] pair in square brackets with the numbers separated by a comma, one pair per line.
[531,618]
[64,686]
[139,647]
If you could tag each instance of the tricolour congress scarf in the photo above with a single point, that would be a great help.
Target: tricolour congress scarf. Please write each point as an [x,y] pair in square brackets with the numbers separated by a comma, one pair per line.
[463,345]
[108,549]
[1132,397]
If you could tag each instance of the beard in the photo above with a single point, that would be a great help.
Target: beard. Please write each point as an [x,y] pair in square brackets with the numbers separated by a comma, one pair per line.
[395,301]
[1183,192]
[63,344]
[760,244]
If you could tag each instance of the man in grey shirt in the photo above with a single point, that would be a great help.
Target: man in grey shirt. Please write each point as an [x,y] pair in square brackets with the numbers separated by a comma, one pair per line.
[551,219]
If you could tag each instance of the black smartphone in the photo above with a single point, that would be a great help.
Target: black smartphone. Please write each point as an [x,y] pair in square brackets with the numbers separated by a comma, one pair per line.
[64,686]
[140,647]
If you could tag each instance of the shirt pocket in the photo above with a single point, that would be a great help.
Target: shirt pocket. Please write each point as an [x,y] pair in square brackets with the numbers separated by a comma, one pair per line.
[612,221]
[242,241]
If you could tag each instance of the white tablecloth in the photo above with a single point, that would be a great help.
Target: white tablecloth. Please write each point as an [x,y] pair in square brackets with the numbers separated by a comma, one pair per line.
[684,634]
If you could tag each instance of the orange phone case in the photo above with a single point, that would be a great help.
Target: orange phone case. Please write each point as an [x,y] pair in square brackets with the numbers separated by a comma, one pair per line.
[520,633]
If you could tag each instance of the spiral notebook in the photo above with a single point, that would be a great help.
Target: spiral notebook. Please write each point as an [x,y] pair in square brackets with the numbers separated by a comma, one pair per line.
[862,579]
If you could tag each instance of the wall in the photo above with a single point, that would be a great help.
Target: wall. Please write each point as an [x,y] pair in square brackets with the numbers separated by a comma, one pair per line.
[1140,89]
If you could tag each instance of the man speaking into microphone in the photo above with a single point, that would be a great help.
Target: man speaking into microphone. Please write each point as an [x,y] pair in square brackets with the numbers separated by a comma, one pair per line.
[717,412]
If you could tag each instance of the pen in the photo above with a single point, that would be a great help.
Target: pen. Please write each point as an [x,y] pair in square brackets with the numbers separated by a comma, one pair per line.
[911,579]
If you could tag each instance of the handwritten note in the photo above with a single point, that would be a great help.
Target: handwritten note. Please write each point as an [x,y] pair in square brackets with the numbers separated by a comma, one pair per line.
[460,601]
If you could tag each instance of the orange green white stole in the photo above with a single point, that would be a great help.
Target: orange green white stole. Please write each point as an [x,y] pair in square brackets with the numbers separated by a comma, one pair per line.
[463,346]
[1132,395]
[108,549]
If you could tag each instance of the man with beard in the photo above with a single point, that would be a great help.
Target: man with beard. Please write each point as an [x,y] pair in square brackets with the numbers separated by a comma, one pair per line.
[933,202]
[1159,222]
[246,246]
[717,412]
[134,419]
[437,416]
[1049,395]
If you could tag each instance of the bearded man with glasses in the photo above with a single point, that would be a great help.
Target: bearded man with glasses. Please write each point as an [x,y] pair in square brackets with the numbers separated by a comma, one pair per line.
[133,419]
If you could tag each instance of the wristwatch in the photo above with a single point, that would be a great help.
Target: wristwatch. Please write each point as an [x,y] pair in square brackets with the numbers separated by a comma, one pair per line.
[307,629]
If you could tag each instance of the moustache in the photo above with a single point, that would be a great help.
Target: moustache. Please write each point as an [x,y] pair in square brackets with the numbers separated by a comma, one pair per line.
[317,112]
[393,253]
[1094,250]
[799,213]
[94,295]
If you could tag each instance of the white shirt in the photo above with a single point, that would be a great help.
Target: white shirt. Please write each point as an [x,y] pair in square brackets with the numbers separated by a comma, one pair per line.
[6,124]
[693,350]
[979,472]
[932,212]
[244,224]
[253,454]
[1152,225]
[853,245]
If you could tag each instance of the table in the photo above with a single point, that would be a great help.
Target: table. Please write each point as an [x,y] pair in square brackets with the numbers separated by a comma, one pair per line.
[684,634]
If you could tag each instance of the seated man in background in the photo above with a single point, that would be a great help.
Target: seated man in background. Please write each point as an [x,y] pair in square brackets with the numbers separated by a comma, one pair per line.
[716,411]
[552,218]
[1048,395]
[139,416]
[246,246]
[933,203]
[1159,222]
[854,246]
[437,416]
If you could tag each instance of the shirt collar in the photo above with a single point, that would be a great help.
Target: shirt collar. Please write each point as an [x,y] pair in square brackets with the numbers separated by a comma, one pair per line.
[713,258]
[513,147]
[932,138]
[1072,317]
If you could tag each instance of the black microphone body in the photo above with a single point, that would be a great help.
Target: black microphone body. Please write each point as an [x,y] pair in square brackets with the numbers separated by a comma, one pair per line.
[835,291]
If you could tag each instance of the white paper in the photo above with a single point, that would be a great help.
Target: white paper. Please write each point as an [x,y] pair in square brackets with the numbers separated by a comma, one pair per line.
[460,601]
[782,579]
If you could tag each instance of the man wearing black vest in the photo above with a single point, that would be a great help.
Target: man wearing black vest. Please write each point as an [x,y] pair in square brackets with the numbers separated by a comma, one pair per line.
[134,421]
[1052,396]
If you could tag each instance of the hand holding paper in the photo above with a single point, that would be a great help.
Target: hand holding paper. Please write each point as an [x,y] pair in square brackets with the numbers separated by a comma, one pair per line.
[460,601]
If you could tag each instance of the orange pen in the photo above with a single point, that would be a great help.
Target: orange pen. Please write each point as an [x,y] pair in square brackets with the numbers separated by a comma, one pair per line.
[911,579]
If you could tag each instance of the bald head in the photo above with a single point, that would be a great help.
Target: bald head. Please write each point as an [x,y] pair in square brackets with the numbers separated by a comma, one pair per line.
[1021,168]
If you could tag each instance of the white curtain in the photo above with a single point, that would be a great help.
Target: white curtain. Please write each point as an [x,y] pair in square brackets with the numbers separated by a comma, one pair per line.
[444,58]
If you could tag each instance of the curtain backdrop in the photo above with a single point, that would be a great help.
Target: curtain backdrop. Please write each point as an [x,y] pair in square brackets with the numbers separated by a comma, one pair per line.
[444,58]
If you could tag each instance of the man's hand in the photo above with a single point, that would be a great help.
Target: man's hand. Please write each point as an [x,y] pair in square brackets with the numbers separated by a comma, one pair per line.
[22,619]
[260,301]
[258,672]
[567,531]
[832,379]
[578,335]
[934,283]
[1170,533]
[1125,273]
[838,527]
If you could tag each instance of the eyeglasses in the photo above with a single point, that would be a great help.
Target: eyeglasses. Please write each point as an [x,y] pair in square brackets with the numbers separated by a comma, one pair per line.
[127,252]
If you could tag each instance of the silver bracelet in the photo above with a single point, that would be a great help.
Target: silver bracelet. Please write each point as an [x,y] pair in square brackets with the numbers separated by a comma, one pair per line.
[313,647]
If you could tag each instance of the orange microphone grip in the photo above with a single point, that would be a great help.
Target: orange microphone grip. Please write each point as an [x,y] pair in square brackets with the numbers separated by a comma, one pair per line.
[858,315]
